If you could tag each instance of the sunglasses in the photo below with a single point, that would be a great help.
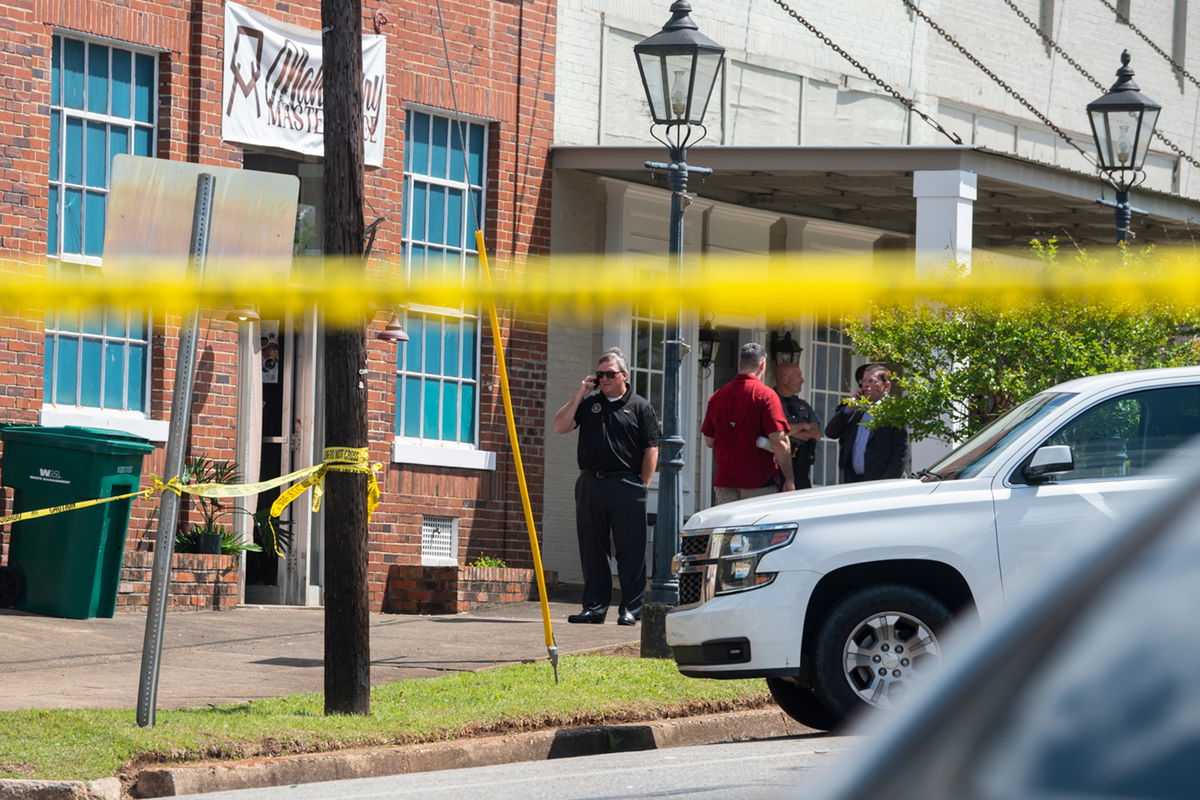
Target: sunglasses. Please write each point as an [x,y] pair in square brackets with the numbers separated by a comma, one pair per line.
[608,373]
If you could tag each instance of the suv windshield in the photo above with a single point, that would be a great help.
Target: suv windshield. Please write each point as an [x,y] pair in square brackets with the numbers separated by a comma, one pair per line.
[977,452]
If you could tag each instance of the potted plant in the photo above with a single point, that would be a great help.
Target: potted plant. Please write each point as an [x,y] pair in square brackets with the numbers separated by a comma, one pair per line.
[210,534]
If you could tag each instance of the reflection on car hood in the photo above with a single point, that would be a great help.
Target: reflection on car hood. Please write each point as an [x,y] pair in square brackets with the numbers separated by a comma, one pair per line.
[804,503]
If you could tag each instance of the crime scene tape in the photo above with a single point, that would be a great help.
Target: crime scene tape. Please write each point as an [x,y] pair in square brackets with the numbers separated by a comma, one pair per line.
[336,459]
[774,287]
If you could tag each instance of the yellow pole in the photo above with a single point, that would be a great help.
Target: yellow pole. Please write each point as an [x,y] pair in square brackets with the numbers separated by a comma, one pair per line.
[551,648]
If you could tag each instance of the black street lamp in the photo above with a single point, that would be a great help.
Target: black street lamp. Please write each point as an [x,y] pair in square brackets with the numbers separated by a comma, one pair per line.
[679,68]
[1123,123]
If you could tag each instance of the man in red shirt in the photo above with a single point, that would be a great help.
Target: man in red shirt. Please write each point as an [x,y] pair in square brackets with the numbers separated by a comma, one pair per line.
[738,414]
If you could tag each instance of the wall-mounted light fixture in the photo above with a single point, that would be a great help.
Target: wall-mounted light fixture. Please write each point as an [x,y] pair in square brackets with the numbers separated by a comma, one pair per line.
[393,331]
[785,349]
[709,345]
[243,312]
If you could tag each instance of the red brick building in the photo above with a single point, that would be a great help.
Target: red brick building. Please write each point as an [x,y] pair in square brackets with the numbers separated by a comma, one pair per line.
[460,141]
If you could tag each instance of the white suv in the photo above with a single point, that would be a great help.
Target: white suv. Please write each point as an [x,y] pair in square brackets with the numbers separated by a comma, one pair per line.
[837,596]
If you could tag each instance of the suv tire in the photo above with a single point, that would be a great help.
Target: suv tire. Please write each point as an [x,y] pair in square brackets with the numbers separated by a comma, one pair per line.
[801,704]
[873,644]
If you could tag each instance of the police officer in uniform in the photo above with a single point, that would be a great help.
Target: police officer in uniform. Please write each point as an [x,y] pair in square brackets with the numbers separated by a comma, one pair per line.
[617,453]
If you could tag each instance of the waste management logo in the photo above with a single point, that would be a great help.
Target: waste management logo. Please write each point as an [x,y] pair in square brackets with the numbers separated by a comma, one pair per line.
[49,475]
[274,91]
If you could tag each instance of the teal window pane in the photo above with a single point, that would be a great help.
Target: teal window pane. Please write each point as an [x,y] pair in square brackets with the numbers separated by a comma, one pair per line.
[411,359]
[64,371]
[431,412]
[55,70]
[458,156]
[52,223]
[439,142]
[122,82]
[418,149]
[136,378]
[476,212]
[118,141]
[89,389]
[476,155]
[416,261]
[143,90]
[468,348]
[74,145]
[93,217]
[420,201]
[412,406]
[433,346]
[97,79]
[55,143]
[72,222]
[450,410]
[454,217]
[142,144]
[48,363]
[453,340]
[92,321]
[466,427]
[437,215]
[73,53]
[96,166]
[114,375]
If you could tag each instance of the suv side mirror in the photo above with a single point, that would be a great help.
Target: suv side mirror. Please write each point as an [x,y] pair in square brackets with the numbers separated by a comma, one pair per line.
[1051,459]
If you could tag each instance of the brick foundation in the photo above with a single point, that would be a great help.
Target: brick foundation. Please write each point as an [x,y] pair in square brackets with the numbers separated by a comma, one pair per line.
[415,589]
[198,582]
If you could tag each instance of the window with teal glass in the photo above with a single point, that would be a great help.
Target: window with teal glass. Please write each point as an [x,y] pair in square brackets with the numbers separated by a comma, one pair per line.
[103,101]
[437,382]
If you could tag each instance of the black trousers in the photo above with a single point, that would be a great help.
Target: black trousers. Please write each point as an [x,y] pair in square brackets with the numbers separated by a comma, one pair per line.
[611,507]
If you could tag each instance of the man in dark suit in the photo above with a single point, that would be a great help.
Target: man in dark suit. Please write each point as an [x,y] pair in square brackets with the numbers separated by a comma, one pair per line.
[865,454]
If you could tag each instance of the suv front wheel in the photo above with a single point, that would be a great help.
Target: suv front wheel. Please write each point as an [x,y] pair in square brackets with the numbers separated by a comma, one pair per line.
[874,645]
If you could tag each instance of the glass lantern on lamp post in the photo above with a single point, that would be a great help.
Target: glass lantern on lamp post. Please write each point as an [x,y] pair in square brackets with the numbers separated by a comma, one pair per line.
[679,67]
[1123,121]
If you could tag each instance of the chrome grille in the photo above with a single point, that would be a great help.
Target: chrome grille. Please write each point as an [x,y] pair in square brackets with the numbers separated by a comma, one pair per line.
[693,545]
[690,586]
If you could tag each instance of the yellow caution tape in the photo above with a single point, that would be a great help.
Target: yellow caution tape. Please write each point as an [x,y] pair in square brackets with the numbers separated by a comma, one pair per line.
[46,512]
[337,459]
[775,287]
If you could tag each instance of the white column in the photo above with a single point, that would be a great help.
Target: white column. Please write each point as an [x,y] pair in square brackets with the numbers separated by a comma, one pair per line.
[945,212]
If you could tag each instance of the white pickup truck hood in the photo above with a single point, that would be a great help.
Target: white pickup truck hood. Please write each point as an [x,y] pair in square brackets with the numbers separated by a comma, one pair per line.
[825,502]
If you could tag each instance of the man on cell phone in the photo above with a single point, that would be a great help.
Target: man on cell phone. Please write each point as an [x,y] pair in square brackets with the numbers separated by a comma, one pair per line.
[867,454]
[617,454]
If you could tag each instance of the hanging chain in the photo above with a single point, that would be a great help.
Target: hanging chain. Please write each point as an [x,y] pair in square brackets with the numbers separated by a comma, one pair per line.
[1100,86]
[1176,66]
[1054,45]
[999,82]
[954,137]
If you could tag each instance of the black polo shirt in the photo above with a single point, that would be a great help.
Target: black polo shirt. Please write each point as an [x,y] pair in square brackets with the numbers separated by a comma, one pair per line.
[613,434]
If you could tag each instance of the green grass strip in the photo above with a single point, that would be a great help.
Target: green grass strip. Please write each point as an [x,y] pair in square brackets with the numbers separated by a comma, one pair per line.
[84,744]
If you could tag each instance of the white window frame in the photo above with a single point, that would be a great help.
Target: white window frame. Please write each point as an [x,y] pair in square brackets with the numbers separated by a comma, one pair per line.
[53,413]
[418,449]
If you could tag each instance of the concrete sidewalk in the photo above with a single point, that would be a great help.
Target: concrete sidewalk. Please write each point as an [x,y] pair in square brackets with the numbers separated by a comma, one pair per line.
[252,652]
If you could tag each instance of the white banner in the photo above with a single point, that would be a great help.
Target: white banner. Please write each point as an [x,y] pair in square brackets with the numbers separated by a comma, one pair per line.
[274,88]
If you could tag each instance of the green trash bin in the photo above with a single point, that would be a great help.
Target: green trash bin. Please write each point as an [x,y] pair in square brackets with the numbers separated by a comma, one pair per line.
[69,564]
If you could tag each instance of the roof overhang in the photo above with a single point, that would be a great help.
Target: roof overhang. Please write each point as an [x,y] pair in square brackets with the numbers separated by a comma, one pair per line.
[1017,199]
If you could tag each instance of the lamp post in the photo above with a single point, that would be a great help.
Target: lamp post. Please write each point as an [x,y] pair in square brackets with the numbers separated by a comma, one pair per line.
[679,67]
[1123,121]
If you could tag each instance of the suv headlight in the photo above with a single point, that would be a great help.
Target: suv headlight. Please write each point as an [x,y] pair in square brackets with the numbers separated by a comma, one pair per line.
[737,564]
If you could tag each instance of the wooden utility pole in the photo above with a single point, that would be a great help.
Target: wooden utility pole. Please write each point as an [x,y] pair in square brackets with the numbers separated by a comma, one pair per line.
[347,620]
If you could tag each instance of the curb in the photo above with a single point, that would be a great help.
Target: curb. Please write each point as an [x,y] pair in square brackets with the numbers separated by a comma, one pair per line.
[532,746]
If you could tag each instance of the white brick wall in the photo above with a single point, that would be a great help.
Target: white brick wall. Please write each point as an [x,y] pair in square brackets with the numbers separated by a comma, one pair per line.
[599,96]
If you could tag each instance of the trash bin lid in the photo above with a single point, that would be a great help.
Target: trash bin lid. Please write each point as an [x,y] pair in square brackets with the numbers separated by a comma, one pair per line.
[75,437]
